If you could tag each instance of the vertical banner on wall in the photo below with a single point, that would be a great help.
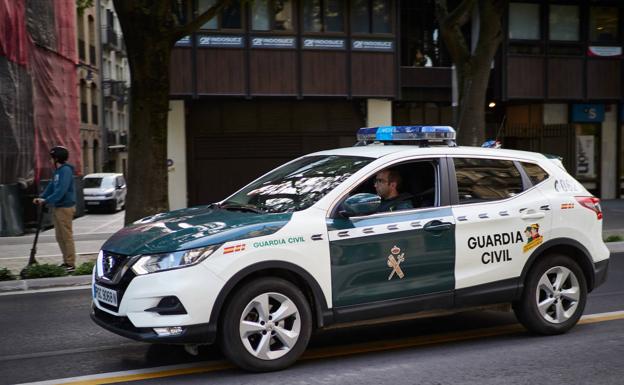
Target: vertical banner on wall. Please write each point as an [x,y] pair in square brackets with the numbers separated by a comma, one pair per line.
[585,156]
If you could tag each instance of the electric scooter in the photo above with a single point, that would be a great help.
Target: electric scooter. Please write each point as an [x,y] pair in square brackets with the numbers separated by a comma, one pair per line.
[32,260]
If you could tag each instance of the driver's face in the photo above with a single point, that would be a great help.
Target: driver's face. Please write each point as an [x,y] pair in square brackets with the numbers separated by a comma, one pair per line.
[382,186]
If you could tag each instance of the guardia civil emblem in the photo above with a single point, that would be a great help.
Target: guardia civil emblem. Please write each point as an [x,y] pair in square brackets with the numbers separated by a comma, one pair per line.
[394,261]
[534,238]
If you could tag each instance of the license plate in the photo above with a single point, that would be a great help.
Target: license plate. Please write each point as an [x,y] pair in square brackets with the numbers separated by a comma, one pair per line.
[105,295]
[92,203]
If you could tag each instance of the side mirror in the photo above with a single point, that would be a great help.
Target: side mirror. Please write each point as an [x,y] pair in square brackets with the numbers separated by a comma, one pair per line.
[361,204]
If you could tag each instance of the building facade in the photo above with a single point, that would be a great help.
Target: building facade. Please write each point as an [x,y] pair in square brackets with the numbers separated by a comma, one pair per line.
[115,83]
[561,86]
[90,86]
[264,83]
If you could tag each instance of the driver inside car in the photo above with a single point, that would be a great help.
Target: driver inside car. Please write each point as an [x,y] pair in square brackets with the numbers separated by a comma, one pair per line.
[387,184]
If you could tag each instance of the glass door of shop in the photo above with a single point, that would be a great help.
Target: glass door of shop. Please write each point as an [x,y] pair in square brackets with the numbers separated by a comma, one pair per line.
[587,155]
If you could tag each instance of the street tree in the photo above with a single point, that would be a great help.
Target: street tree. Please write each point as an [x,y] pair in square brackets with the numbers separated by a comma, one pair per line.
[472,65]
[151,29]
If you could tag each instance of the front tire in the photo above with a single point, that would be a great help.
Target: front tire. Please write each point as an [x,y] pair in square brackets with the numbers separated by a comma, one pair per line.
[554,296]
[266,325]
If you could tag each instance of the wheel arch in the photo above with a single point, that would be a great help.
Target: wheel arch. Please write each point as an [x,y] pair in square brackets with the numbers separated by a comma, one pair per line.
[564,246]
[279,269]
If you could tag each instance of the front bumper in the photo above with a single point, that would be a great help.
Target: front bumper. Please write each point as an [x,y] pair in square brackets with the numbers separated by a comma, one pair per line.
[192,334]
[195,289]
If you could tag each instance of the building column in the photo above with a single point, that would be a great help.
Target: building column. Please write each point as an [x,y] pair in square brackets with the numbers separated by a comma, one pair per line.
[608,177]
[176,155]
[378,112]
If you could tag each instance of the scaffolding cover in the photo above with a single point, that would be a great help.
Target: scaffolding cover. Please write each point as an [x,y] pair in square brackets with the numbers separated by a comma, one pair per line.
[16,120]
[55,99]
[38,87]
[13,37]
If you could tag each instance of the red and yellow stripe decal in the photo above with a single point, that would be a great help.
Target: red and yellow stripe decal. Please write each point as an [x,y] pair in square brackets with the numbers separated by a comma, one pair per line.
[234,248]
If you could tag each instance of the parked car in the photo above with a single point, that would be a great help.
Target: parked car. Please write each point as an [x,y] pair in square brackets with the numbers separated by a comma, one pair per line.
[106,191]
[306,246]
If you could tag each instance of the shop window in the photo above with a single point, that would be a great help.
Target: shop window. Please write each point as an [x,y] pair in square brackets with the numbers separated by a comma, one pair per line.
[524,21]
[272,15]
[371,16]
[229,18]
[323,16]
[603,24]
[563,23]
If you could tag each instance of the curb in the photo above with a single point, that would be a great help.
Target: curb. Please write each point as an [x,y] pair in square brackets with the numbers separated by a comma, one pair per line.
[44,283]
[81,280]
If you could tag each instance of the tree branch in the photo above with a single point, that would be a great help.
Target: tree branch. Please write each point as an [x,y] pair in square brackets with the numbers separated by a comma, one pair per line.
[451,32]
[461,14]
[200,20]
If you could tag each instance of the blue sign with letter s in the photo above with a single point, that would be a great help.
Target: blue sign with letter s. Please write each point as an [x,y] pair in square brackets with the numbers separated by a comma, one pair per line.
[588,113]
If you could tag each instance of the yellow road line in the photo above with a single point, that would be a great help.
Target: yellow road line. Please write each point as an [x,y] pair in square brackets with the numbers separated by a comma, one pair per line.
[369,347]
[221,365]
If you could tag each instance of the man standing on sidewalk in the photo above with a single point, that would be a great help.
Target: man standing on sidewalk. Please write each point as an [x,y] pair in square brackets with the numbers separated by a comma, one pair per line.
[60,194]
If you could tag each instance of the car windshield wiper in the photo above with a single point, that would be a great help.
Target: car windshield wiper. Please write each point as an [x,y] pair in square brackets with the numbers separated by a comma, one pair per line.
[239,206]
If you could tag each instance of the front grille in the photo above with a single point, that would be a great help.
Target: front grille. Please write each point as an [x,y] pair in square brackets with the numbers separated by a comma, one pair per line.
[120,287]
[111,264]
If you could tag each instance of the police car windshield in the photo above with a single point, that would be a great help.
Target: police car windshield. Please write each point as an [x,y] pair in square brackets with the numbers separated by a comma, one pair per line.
[298,185]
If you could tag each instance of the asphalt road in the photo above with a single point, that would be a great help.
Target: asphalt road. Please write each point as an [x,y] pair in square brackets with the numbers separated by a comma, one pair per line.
[49,335]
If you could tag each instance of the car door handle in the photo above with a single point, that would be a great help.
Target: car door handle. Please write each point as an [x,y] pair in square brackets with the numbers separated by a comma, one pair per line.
[532,214]
[437,226]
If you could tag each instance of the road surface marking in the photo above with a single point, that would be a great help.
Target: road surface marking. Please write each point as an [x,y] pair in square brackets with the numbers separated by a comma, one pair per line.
[314,354]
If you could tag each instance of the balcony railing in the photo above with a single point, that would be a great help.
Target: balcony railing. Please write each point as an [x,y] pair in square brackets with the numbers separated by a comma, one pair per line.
[115,89]
[110,39]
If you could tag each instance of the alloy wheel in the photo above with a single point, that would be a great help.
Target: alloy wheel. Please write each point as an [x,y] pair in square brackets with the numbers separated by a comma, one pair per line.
[557,294]
[270,326]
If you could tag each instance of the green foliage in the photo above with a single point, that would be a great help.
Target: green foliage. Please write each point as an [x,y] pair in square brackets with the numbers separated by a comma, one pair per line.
[84,269]
[81,5]
[6,275]
[42,271]
[614,238]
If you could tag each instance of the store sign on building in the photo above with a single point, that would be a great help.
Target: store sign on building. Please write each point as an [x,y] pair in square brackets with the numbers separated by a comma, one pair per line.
[373,45]
[273,42]
[338,44]
[604,51]
[588,113]
[221,41]
[184,42]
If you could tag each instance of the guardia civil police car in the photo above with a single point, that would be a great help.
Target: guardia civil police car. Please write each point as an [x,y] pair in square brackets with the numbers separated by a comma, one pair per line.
[370,231]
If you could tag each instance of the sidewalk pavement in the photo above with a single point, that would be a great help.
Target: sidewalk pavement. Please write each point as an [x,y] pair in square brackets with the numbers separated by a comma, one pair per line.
[90,233]
[92,230]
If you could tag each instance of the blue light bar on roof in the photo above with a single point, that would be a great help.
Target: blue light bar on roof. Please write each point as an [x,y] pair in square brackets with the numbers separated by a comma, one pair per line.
[394,133]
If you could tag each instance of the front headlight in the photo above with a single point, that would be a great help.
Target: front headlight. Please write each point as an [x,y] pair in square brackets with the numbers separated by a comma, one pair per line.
[167,261]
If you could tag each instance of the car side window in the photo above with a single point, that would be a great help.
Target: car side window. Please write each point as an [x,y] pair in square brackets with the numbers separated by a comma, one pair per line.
[535,173]
[482,180]
[417,187]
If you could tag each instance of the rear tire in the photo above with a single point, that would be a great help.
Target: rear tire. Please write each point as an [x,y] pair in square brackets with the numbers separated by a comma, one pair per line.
[266,325]
[554,296]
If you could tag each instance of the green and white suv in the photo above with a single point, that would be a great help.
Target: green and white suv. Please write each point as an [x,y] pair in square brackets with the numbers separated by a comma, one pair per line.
[311,244]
